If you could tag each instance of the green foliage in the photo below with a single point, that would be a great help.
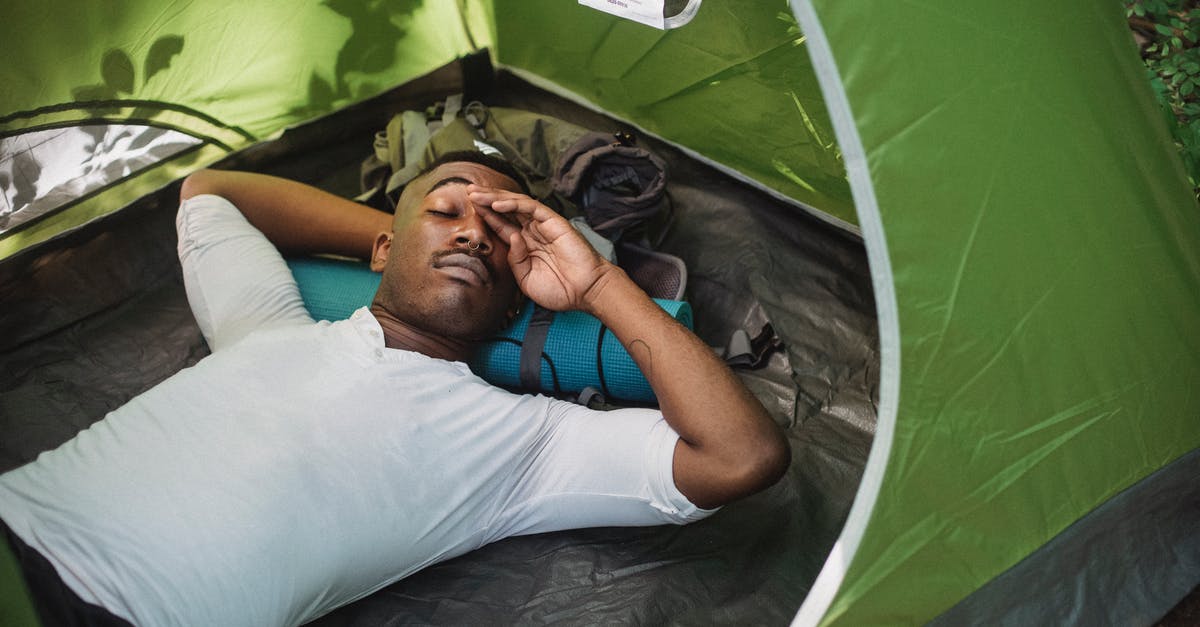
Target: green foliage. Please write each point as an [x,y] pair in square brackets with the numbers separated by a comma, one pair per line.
[1168,32]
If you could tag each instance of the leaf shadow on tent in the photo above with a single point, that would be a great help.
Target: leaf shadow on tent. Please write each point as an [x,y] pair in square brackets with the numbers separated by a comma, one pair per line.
[370,48]
[119,76]
[26,171]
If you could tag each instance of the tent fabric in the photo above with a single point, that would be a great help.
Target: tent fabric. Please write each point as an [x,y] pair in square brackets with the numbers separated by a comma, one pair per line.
[229,73]
[242,66]
[1054,321]
[731,61]
[1141,523]
[16,605]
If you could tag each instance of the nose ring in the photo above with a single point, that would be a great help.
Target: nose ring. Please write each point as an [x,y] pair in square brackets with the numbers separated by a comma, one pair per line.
[473,245]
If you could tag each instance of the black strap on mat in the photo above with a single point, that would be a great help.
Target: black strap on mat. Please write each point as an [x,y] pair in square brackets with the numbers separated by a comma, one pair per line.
[532,345]
[600,360]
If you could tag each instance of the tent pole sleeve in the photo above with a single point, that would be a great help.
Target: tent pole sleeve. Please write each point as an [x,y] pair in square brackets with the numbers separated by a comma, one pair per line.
[820,597]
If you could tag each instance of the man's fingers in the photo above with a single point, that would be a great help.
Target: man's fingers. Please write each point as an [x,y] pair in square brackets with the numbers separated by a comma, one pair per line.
[518,256]
[510,203]
[486,195]
[509,212]
[502,225]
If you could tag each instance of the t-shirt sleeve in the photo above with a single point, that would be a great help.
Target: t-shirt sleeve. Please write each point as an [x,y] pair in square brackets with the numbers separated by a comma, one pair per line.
[236,280]
[599,469]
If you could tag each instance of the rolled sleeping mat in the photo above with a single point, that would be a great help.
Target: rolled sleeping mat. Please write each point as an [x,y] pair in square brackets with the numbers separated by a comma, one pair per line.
[333,289]
[577,351]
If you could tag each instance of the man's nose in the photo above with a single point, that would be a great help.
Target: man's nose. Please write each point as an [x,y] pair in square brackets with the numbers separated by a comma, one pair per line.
[474,234]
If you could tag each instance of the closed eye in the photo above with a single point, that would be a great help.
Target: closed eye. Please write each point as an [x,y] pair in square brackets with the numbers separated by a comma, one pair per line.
[443,214]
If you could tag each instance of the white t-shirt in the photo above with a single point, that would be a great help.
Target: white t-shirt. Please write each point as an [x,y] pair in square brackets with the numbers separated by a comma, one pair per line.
[304,465]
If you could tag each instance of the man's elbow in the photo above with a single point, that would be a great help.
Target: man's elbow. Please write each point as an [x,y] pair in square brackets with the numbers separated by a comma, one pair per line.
[767,461]
[197,183]
[759,464]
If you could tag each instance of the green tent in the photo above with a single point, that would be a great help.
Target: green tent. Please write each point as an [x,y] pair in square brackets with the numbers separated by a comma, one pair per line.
[1033,251]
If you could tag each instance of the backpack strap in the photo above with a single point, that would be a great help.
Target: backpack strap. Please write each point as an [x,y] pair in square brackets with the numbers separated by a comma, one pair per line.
[408,135]
[397,160]
[532,345]
[746,353]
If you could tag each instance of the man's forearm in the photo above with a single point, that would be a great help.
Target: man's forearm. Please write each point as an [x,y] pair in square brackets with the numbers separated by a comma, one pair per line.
[730,447]
[297,218]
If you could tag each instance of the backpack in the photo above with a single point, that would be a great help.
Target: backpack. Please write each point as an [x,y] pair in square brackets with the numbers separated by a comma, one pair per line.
[617,187]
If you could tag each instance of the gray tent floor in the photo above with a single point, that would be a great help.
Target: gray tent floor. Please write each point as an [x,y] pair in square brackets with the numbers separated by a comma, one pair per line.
[94,318]
[1186,614]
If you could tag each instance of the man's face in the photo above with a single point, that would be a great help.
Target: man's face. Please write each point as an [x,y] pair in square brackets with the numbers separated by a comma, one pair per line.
[444,270]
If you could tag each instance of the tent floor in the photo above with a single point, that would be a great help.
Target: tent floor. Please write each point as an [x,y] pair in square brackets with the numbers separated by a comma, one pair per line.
[1186,614]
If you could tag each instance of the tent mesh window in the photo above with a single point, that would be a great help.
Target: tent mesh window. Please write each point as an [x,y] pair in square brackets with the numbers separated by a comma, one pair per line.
[43,170]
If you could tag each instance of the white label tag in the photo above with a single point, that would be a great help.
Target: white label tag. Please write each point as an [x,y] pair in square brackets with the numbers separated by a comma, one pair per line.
[487,149]
[648,12]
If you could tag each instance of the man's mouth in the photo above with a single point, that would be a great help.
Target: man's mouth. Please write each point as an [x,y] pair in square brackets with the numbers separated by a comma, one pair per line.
[465,267]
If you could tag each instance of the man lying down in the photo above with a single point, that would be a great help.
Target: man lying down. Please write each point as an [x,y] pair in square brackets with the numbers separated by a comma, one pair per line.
[304,465]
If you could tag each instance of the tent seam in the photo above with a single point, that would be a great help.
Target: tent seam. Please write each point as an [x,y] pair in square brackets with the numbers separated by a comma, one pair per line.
[99,121]
[829,581]
[118,103]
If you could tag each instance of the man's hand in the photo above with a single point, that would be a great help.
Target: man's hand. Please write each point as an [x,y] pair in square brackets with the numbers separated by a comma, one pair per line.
[553,264]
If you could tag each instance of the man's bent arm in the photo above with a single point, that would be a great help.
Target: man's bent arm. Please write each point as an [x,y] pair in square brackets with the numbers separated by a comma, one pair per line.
[297,218]
[729,446]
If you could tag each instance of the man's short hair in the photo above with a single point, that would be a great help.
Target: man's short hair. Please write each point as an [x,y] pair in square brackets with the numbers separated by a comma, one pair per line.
[492,162]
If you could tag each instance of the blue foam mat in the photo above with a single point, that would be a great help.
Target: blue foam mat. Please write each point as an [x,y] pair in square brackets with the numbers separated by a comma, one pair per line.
[576,354]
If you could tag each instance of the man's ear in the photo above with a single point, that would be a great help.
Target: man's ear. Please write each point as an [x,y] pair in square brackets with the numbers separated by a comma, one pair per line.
[380,251]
